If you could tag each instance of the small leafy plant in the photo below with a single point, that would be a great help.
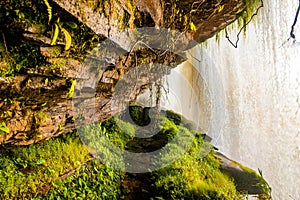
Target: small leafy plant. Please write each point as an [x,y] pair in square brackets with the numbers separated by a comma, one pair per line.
[58,27]
[3,128]
[71,90]
[26,171]
[192,26]
[49,9]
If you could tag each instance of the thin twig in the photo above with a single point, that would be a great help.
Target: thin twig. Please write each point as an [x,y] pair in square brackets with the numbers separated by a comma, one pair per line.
[169,48]
[292,35]
[243,27]
[135,46]
[69,173]
[6,49]
[4,41]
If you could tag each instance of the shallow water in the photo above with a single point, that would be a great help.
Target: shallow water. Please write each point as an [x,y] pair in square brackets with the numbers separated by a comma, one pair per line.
[248,99]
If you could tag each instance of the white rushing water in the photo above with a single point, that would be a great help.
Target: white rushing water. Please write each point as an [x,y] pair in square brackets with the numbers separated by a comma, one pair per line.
[249,97]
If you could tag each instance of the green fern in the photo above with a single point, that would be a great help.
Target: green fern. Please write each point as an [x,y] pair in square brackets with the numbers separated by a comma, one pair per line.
[58,27]
[55,34]
[49,9]
[68,38]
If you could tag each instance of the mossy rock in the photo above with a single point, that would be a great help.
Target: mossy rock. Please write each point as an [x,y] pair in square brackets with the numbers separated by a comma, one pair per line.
[137,115]
[174,117]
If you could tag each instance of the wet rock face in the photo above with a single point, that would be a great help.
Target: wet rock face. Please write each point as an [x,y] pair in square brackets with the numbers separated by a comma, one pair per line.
[36,107]
[199,20]
[35,103]
[246,179]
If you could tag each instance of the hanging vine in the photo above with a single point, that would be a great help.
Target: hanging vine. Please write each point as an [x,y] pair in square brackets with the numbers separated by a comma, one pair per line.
[235,44]
[292,35]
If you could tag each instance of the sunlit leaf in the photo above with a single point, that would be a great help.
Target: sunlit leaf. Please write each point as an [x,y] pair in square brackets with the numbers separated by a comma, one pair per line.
[55,35]
[193,27]
[72,88]
[68,38]
[72,25]
[49,9]
[4,128]
[221,8]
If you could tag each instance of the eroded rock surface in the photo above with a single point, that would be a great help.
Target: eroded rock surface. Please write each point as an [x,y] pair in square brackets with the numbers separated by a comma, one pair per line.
[37,102]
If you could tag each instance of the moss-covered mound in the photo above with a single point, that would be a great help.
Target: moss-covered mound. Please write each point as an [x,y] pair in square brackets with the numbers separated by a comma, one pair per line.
[64,168]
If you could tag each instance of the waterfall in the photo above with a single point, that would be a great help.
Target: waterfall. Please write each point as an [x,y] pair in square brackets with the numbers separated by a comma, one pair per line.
[248,99]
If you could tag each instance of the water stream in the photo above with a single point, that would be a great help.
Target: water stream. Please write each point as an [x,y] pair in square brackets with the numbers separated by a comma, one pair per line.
[248,99]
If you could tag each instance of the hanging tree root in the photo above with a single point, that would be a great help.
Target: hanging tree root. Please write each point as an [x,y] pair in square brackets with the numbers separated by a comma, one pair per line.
[235,44]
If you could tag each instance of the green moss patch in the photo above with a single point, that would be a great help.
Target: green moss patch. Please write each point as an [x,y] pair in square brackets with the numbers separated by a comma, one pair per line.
[26,172]
[195,175]
[92,181]
[62,168]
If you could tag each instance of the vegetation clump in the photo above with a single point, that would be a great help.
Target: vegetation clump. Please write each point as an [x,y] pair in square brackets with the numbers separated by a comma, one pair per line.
[29,171]
[195,175]
[92,181]
[33,34]
[64,168]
